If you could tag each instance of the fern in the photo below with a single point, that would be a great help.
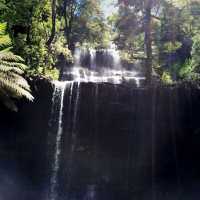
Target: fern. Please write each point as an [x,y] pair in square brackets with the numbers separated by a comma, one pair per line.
[12,83]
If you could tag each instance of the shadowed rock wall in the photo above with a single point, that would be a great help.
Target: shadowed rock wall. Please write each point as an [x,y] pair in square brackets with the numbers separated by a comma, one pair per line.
[125,143]
[132,143]
[23,146]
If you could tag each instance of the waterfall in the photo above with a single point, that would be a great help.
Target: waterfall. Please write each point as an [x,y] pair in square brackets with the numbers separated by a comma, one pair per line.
[94,66]
[76,108]
[73,133]
[92,59]
[143,157]
[100,66]
[116,59]
[77,57]
[57,119]
[57,101]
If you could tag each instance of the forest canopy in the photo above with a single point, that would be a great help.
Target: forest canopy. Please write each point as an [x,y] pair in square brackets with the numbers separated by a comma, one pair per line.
[163,35]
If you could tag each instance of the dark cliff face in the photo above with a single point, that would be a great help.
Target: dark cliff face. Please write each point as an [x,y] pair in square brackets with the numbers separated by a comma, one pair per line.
[123,143]
[132,144]
[23,145]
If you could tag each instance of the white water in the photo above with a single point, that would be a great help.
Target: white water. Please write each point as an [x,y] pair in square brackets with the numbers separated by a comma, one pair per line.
[93,59]
[73,132]
[109,71]
[104,76]
[77,57]
[58,95]
[75,117]
[57,113]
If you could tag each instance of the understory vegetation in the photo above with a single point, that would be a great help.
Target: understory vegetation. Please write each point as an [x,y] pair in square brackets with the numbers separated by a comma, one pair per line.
[12,83]
[162,35]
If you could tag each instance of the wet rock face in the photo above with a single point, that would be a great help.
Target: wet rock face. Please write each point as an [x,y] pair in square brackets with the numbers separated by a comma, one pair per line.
[132,144]
[119,143]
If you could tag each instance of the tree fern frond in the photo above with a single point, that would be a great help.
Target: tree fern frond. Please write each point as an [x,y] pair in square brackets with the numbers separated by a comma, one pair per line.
[4,68]
[6,49]
[16,79]
[9,56]
[14,88]
[19,80]
[3,27]
[13,64]
[12,83]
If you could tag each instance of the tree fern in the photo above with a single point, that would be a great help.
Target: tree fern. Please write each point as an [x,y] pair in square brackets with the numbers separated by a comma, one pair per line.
[12,83]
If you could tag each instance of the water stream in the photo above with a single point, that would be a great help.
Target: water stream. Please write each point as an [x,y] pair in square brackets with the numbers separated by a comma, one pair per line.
[58,99]
[60,88]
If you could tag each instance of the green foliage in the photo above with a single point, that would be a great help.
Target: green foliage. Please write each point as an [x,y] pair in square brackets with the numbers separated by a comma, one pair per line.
[50,73]
[12,83]
[129,37]
[30,25]
[59,47]
[191,68]
[81,22]
[174,27]
[170,47]
[85,23]
[187,70]
[196,52]
[166,78]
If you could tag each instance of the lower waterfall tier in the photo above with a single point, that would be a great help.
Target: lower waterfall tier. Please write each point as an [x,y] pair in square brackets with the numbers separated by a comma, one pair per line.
[118,143]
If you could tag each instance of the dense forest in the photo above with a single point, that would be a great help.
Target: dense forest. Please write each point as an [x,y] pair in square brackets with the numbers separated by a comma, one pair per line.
[161,35]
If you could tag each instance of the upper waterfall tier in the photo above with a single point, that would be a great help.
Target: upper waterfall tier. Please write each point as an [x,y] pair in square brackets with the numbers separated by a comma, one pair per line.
[93,59]
[103,65]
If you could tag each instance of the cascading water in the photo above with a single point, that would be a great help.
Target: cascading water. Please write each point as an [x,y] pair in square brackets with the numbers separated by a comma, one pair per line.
[57,118]
[103,66]
[92,59]
[100,66]
[90,66]
[58,99]
[77,57]
[73,117]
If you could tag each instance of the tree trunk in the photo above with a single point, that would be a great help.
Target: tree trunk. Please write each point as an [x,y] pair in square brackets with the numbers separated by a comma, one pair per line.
[148,41]
[53,29]
[69,19]
[28,35]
